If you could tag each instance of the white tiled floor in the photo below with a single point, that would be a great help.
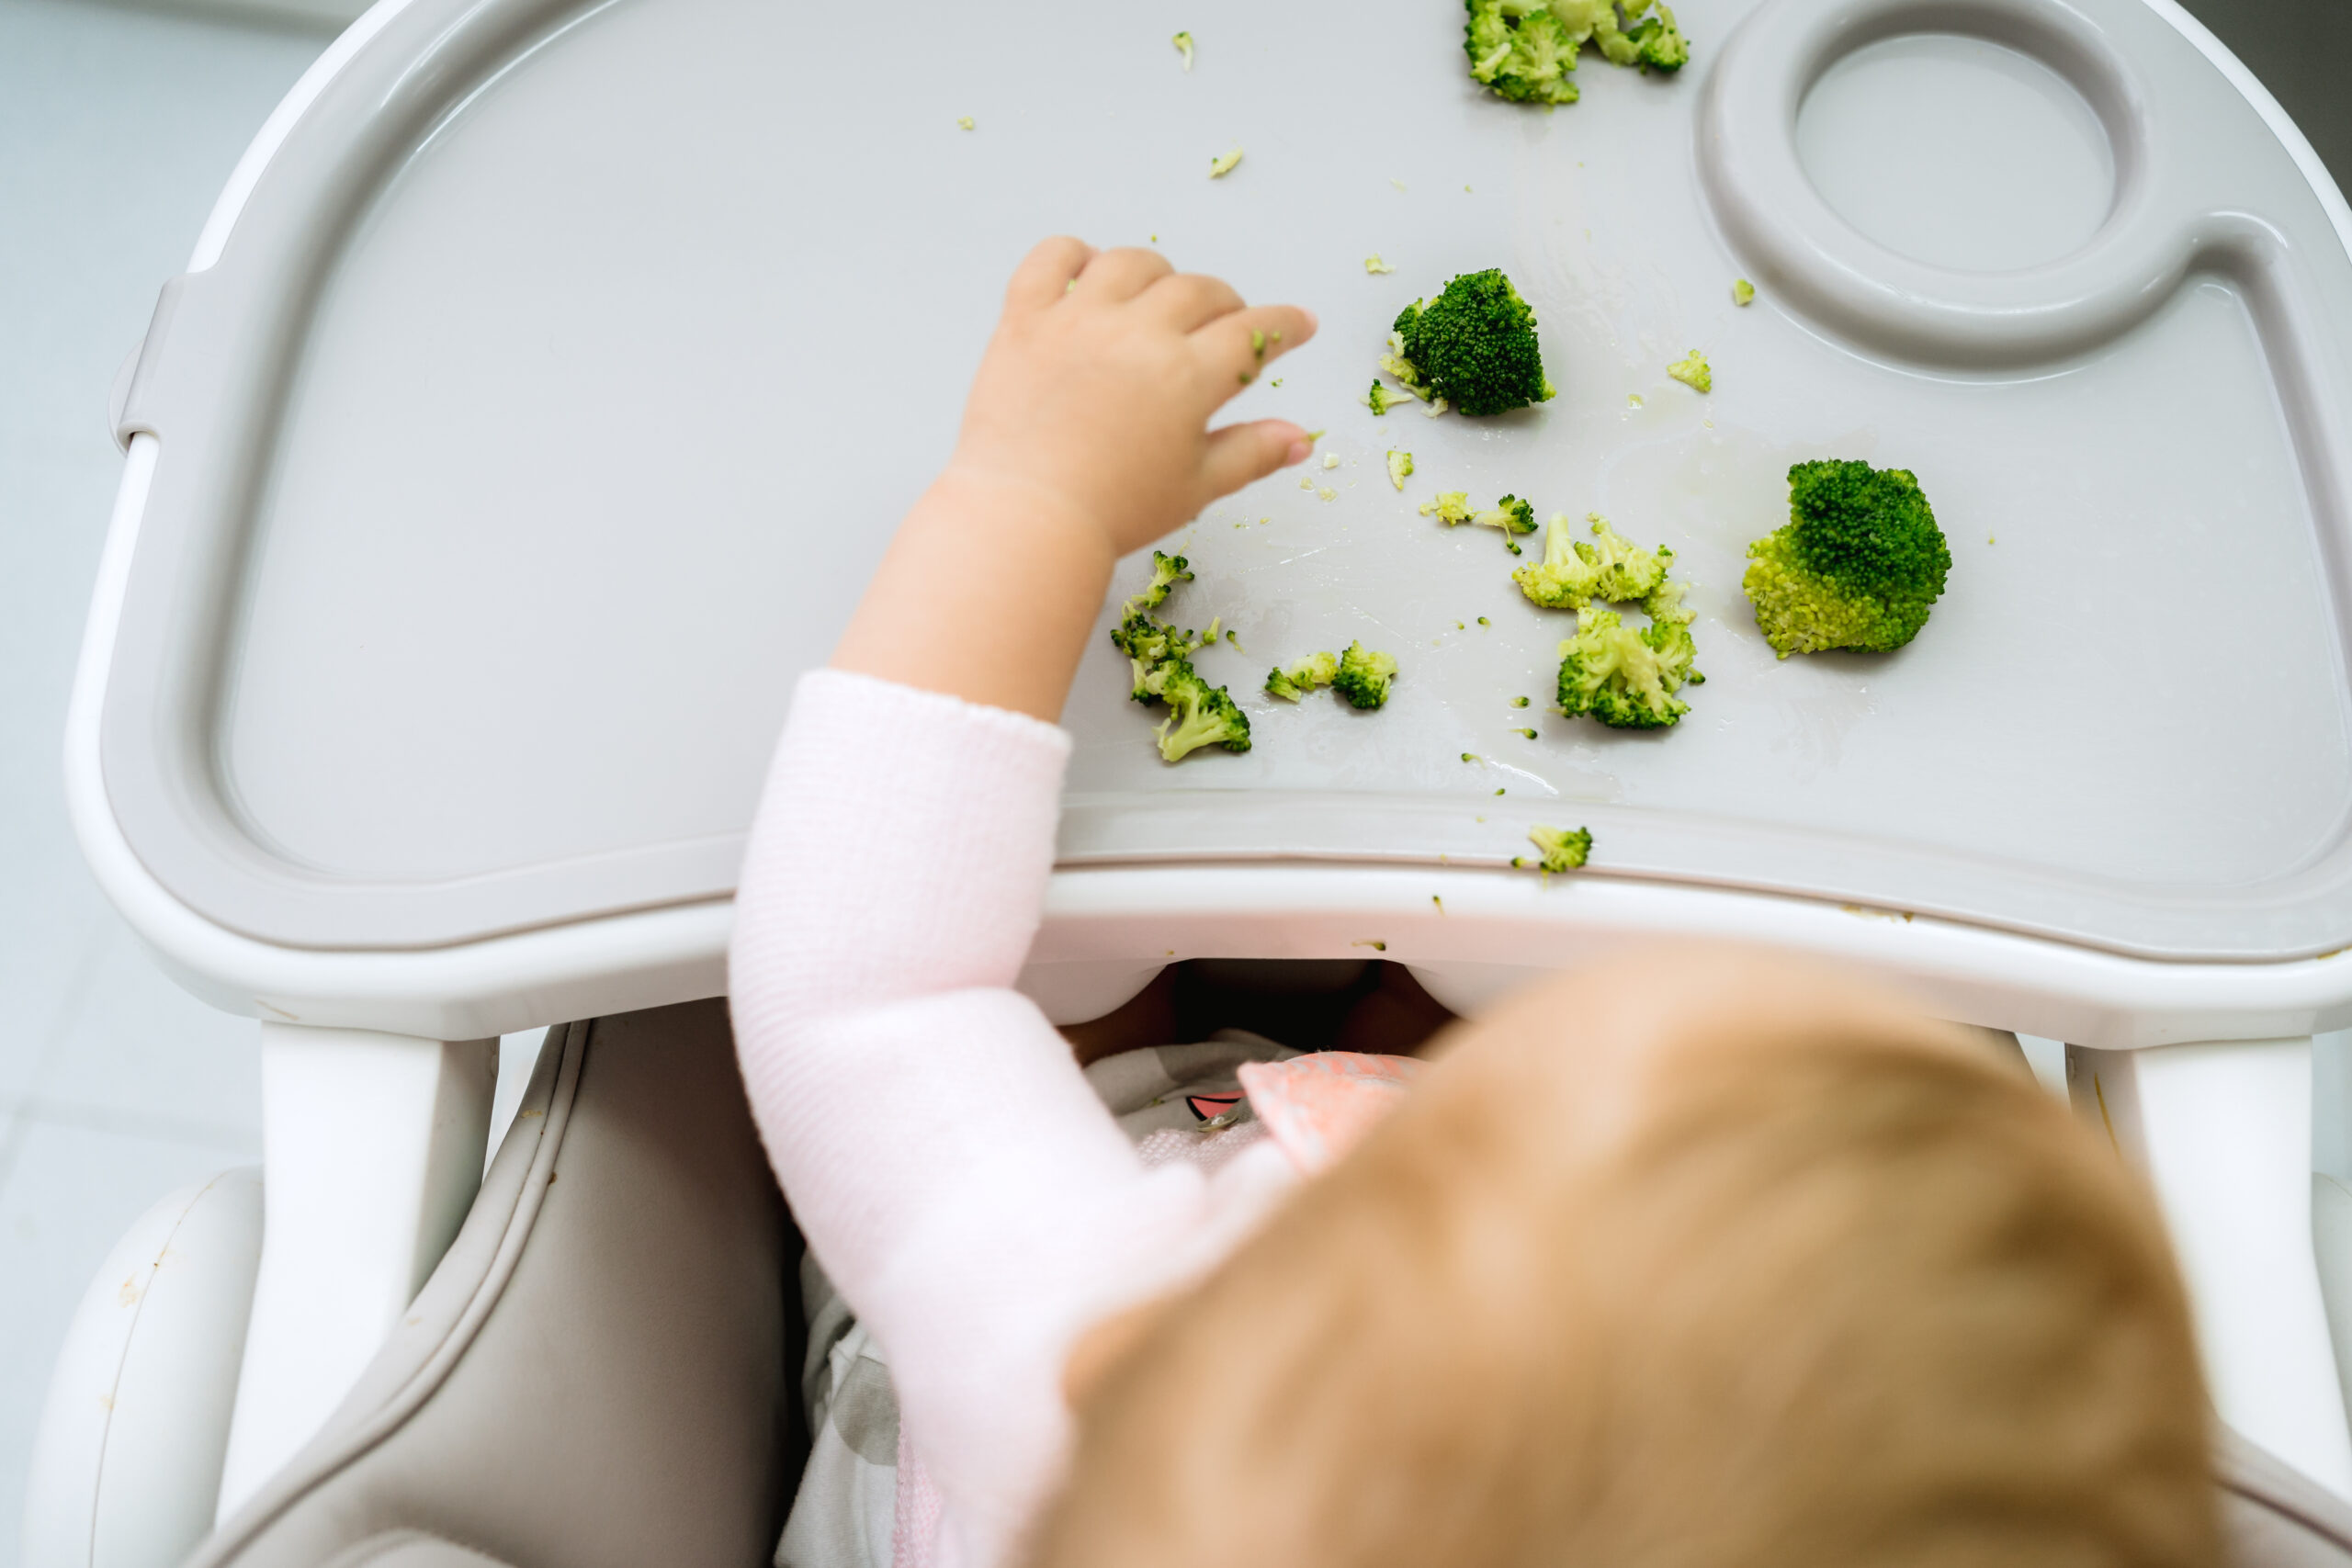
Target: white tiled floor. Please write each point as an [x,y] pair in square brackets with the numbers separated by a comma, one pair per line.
[117,127]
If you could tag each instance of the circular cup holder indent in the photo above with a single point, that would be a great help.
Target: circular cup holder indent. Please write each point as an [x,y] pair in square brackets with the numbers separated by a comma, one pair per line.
[1957,152]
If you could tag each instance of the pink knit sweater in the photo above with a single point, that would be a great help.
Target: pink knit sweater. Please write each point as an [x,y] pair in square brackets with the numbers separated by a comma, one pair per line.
[956,1177]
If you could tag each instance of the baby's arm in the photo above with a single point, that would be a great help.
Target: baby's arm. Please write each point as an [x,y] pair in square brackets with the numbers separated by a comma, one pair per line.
[947,1161]
[1085,438]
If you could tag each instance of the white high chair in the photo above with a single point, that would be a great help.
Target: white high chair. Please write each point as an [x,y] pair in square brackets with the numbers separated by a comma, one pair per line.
[512,440]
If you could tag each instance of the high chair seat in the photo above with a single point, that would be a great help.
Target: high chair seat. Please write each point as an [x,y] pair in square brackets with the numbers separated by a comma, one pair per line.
[603,1370]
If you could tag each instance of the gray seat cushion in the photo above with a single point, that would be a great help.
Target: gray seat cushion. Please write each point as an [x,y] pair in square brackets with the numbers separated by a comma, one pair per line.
[601,1372]
[2273,1517]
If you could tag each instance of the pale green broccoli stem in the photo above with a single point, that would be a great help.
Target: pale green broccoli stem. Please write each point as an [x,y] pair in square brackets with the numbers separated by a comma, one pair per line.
[1692,371]
[1400,466]
[1183,42]
[1742,291]
[1224,163]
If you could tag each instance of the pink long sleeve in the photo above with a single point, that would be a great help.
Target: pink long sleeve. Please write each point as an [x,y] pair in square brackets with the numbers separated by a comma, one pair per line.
[951,1168]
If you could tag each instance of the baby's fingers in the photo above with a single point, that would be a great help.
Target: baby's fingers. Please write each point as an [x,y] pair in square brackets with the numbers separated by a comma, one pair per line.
[1240,453]
[1233,349]
[1045,272]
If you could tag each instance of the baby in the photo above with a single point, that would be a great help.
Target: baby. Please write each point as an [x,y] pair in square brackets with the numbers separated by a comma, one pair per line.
[1713,1260]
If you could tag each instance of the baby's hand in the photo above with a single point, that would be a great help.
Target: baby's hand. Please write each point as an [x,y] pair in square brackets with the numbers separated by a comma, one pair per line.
[1096,394]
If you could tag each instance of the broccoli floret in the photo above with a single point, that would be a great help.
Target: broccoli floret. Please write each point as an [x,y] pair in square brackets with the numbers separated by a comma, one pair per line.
[1565,849]
[1166,571]
[1183,42]
[1511,514]
[1693,372]
[1363,678]
[1400,468]
[1859,564]
[1473,347]
[1451,507]
[1611,567]
[1149,645]
[1198,713]
[1526,49]
[1669,635]
[1381,398]
[1611,672]
[1292,681]
[1372,264]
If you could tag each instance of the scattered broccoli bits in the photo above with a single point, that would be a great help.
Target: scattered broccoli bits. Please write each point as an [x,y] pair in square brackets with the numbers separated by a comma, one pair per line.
[1224,163]
[1161,658]
[1742,291]
[1292,682]
[1565,849]
[1372,264]
[1525,51]
[1183,42]
[1363,678]
[1693,372]
[1859,564]
[1400,468]
[1573,572]
[963,122]
[1472,348]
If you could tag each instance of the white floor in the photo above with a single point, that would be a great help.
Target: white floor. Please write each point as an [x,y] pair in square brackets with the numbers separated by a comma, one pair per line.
[117,127]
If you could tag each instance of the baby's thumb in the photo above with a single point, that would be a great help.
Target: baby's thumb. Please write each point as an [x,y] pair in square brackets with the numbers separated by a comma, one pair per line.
[1240,453]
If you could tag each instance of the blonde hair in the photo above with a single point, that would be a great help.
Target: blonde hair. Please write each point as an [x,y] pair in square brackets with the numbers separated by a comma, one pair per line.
[1770,1273]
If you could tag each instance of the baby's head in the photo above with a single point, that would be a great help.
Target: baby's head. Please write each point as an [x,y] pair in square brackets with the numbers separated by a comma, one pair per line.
[1703,1258]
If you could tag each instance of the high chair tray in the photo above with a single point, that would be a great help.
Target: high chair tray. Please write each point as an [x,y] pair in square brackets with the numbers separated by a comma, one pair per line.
[551,395]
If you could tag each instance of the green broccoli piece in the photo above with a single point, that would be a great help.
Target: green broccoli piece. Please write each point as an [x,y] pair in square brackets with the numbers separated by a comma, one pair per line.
[1525,51]
[1150,643]
[1183,42]
[1511,514]
[1292,681]
[1859,564]
[1693,371]
[1565,849]
[1612,673]
[1401,468]
[1166,571]
[1451,507]
[1198,713]
[1473,347]
[1669,635]
[1612,567]
[1363,678]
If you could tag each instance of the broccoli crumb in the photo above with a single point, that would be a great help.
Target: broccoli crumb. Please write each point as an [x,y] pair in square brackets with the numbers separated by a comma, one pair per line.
[963,122]
[1247,378]
[1328,493]
[1634,399]
[1470,757]
[1314,436]
[1183,42]
[1565,849]
[1374,264]
[1518,702]
[1450,507]
[1529,733]
[1375,946]
[1224,163]
[1440,902]
[1330,459]
[1484,622]
[1276,382]
[1400,466]
[1692,371]
[1498,791]
[1305,482]
[1257,343]
[1742,291]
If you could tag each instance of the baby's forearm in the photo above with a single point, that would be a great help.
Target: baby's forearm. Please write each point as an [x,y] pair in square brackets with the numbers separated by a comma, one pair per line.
[988,593]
